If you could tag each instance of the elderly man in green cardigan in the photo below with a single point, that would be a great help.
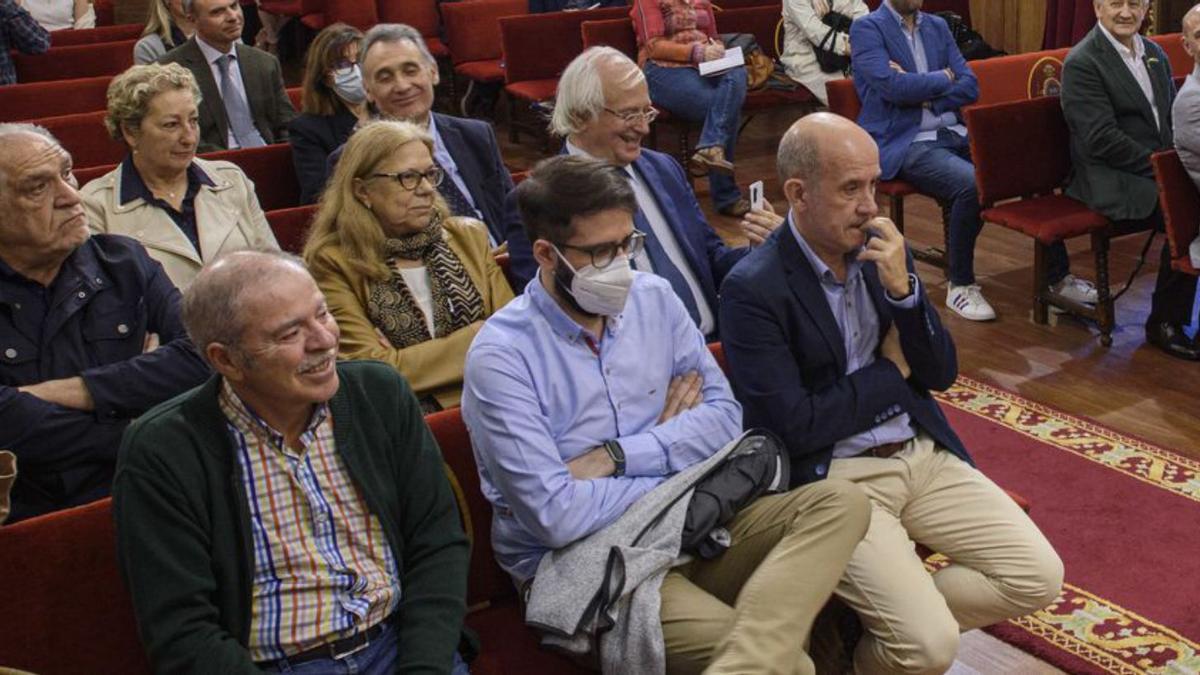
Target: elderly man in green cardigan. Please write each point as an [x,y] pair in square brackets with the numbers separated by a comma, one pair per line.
[293,510]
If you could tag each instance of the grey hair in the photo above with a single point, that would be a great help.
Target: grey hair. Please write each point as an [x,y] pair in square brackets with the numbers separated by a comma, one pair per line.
[580,98]
[8,129]
[391,33]
[798,155]
[213,305]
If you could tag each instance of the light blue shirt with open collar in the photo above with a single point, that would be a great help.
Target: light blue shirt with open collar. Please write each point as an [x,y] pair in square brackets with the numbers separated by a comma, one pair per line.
[930,123]
[211,54]
[442,156]
[858,322]
[540,390]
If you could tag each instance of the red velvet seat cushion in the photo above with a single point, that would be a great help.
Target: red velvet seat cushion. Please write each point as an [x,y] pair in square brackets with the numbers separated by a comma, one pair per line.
[896,188]
[615,33]
[481,71]
[533,90]
[54,97]
[75,61]
[290,226]
[437,48]
[101,33]
[84,136]
[539,46]
[66,609]
[764,99]
[1048,219]
[271,169]
[473,29]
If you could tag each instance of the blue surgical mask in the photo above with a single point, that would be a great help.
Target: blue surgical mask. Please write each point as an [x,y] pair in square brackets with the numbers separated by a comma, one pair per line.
[348,84]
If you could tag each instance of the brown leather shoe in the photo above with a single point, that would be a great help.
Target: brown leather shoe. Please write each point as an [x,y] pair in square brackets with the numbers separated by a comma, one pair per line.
[735,210]
[710,160]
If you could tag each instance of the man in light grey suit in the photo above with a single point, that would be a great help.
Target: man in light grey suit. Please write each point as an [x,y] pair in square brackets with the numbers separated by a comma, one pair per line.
[244,103]
[1187,112]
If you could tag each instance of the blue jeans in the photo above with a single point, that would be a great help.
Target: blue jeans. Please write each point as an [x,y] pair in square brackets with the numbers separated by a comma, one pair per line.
[716,101]
[378,658]
[942,168]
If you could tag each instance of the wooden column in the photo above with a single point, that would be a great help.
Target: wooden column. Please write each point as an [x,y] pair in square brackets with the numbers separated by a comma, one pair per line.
[1016,26]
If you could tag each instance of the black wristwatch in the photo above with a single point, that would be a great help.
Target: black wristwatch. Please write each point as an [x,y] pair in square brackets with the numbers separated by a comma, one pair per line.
[617,454]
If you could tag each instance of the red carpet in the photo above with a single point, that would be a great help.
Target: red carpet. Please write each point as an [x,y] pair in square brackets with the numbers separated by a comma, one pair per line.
[1123,514]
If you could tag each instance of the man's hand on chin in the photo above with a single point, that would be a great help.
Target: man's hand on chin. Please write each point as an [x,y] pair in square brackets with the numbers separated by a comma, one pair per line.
[886,249]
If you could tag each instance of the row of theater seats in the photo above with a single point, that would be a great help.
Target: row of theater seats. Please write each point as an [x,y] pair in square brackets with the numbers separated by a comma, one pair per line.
[70,591]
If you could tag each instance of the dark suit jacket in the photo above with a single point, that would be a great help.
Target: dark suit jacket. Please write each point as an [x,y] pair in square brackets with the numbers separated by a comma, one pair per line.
[1113,132]
[313,138]
[708,256]
[787,359]
[472,144]
[892,101]
[263,81]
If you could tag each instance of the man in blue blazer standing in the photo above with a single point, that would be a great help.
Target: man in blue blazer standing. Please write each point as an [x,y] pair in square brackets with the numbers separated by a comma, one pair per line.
[833,344]
[603,110]
[912,81]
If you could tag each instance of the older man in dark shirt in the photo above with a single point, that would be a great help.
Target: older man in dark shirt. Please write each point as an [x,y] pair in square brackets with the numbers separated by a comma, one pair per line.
[90,333]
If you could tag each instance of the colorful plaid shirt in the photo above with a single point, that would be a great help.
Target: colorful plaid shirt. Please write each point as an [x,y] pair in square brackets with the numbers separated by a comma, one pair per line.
[323,568]
[668,31]
[19,31]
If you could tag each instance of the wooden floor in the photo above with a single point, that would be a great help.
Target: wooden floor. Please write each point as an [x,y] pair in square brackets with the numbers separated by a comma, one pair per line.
[1131,387]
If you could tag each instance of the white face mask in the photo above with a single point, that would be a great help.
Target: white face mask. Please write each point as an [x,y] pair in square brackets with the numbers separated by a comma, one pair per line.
[348,84]
[597,291]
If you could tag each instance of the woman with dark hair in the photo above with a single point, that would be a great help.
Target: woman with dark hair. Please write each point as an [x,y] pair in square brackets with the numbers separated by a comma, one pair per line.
[333,103]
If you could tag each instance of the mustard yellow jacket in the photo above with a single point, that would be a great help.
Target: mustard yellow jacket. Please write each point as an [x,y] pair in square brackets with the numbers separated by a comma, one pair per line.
[432,367]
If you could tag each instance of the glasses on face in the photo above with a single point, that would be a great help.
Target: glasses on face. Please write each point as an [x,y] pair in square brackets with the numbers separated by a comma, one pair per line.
[409,180]
[603,254]
[632,117]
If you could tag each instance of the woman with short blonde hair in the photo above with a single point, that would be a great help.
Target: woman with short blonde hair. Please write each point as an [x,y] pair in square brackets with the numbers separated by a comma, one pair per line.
[184,210]
[408,283]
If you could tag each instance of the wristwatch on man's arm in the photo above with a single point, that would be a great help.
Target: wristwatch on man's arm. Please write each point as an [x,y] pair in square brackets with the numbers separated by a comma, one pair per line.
[617,454]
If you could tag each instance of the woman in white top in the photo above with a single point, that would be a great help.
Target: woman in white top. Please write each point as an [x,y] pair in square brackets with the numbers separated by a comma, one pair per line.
[803,28]
[61,14]
[167,27]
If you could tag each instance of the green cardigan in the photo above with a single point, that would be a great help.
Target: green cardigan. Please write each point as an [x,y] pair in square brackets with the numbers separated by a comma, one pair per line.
[183,524]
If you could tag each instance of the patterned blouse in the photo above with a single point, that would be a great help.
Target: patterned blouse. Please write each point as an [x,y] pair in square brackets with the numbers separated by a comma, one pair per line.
[672,33]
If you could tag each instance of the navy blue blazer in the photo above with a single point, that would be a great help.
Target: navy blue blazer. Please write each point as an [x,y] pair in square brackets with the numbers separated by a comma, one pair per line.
[472,144]
[313,138]
[709,257]
[892,101]
[787,359]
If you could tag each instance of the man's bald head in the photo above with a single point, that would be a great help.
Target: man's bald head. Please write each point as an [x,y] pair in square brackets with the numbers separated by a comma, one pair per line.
[1191,33]
[811,138]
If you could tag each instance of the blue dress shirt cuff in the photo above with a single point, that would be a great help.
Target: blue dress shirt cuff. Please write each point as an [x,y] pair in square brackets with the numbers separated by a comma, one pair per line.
[644,455]
[909,301]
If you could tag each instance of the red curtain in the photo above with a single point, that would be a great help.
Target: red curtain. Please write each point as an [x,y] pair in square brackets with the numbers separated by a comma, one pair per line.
[1067,21]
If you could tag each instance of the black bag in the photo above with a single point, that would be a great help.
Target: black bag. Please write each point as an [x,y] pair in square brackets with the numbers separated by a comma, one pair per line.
[970,43]
[757,466]
[826,52]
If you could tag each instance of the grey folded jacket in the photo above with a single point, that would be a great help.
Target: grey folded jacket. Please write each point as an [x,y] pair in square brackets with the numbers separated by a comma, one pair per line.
[604,589]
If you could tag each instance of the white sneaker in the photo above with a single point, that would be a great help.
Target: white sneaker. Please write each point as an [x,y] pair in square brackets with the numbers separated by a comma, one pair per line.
[1075,289]
[968,302]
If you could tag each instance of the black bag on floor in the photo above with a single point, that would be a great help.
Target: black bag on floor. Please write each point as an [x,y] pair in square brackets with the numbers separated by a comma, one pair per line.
[970,42]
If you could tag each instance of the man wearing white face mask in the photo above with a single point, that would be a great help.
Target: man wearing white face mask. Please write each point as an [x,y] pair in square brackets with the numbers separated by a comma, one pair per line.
[593,388]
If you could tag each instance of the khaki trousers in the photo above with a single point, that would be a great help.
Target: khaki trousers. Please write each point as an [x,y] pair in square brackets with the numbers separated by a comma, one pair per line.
[1002,567]
[751,609]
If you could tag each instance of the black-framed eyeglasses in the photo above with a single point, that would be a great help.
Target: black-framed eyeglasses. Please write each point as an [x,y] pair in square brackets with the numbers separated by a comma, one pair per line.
[409,180]
[603,254]
[632,117]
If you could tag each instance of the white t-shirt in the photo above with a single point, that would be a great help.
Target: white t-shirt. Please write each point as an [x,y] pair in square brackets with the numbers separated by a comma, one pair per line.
[52,14]
[417,280]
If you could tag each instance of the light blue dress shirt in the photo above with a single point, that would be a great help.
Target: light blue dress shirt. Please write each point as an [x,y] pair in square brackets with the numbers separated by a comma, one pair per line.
[540,390]
[442,156]
[930,123]
[855,314]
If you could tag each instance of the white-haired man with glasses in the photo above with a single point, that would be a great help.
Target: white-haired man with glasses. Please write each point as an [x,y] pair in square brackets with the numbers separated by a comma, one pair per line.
[593,388]
[603,110]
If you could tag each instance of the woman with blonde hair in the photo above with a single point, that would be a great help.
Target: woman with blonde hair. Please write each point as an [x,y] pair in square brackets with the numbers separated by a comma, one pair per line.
[185,210]
[167,27]
[408,283]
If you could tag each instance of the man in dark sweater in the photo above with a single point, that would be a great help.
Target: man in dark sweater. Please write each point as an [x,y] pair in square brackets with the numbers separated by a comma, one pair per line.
[292,510]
